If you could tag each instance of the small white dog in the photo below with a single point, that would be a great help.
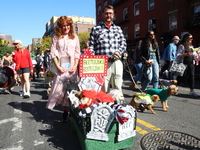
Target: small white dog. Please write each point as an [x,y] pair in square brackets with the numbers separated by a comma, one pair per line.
[117,95]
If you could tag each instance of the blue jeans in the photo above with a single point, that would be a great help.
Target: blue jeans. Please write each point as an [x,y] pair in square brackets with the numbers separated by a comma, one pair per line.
[139,72]
[152,75]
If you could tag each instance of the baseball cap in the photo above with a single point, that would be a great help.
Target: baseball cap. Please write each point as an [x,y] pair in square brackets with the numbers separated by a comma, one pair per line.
[17,42]
[176,38]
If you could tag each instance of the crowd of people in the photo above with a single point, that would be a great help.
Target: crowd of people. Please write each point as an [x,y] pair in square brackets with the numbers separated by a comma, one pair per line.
[106,38]
[20,66]
[148,56]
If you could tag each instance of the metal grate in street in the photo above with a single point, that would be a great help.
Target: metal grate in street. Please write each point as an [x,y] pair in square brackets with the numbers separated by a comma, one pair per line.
[169,140]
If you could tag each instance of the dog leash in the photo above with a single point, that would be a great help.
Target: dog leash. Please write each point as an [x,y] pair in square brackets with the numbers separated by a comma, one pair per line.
[129,71]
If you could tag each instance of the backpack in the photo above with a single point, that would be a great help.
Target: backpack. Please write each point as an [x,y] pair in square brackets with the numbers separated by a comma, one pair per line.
[38,60]
[164,56]
[3,77]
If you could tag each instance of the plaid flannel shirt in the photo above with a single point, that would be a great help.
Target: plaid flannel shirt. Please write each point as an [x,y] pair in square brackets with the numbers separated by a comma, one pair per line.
[106,41]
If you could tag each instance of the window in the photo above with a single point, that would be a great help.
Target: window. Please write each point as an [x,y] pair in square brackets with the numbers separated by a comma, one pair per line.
[113,1]
[126,33]
[197,9]
[105,3]
[99,10]
[125,13]
[150,4]
[136,9]
[173,21]
[137,30]
[196,15]
[150,25]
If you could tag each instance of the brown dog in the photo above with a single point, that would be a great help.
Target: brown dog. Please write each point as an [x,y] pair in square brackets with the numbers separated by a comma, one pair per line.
[164,94]
[48,91]
[48,78]
[145,99]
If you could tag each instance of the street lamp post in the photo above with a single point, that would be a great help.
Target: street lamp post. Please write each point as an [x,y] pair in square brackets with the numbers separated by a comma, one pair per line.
[76,28]
[2,36]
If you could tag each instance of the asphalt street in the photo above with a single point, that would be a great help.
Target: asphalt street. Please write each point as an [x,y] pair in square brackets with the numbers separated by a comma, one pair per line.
[29,125]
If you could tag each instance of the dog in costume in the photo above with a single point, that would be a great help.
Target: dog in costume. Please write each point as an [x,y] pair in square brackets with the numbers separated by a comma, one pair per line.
[164,94]
[145,100]
[88,98]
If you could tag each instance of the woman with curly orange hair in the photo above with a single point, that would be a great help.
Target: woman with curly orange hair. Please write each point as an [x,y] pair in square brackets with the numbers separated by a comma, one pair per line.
[65,54]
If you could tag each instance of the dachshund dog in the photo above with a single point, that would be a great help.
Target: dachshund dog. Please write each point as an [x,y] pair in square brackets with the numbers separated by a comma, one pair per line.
[166,83]
[145,100]
[164,94]
[88,98]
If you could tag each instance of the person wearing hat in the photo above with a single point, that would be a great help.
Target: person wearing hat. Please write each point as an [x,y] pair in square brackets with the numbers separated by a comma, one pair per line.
[169,54]
[23,66]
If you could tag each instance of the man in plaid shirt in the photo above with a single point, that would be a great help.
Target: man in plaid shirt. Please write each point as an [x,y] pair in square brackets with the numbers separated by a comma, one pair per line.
[107,39]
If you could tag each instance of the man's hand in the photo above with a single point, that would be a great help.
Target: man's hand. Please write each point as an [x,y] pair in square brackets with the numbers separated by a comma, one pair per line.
[117,54]
[125,55]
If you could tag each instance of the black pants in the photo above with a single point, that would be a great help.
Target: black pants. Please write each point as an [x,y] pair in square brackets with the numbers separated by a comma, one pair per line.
[188,74]
[38,70]
[167,67]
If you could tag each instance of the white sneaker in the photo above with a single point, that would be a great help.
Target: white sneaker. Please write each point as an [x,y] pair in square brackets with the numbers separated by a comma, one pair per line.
[194,93]
[27,94]
[22,93]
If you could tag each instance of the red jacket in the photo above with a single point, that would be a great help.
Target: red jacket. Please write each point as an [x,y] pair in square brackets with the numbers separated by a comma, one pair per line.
[23,59]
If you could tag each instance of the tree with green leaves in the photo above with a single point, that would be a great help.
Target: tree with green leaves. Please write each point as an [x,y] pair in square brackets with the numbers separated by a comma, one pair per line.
[4,48]
[42,44]
[83,38]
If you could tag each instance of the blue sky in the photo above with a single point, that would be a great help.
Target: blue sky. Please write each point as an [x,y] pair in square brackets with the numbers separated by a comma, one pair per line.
[26,19]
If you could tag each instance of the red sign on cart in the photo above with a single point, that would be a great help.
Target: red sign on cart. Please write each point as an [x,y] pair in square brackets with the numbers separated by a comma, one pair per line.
[93,65]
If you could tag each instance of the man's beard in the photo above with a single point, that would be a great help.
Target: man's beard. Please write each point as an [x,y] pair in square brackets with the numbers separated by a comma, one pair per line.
[109,20]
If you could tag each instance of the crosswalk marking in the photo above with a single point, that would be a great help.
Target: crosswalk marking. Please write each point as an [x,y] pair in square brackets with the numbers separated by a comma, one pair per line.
[140,130]
[148,125]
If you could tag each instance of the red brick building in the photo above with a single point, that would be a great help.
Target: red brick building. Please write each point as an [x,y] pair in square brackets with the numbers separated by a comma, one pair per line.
[166,17]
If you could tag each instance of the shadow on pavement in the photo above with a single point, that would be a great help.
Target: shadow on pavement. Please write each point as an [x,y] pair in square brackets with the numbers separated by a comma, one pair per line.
[58,134]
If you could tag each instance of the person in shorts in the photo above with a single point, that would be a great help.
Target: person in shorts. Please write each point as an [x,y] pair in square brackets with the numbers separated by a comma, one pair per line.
[23,67]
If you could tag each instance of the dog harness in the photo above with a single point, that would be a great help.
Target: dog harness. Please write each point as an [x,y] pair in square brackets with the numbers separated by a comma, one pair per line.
[160,92]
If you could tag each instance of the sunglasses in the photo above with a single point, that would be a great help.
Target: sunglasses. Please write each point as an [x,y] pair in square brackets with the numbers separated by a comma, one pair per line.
[191,38]
[108,13]
[152,34]
[65,26]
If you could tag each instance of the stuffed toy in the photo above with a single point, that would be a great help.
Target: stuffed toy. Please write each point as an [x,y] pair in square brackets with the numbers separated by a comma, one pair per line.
[88,98]
[117,95]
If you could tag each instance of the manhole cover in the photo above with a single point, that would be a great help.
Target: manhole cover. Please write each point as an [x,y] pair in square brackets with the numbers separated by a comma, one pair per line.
[169,140]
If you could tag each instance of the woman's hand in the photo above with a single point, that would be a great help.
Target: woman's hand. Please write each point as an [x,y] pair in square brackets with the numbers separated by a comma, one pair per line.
[186,54]
[190,53]
[149,62]
[61,70]
[31,72]
[72,69]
